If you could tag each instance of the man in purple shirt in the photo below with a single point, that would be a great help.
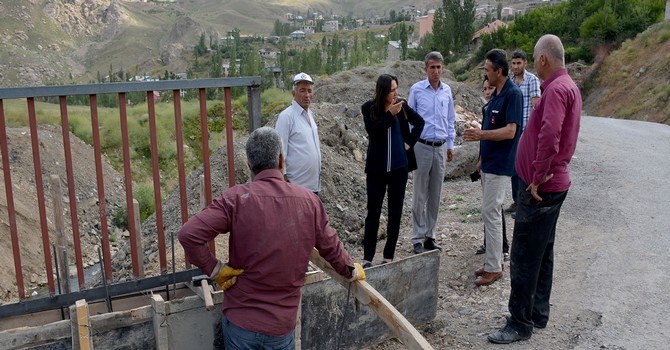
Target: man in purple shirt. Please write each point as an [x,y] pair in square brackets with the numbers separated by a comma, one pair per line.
[273,225]
[545,149]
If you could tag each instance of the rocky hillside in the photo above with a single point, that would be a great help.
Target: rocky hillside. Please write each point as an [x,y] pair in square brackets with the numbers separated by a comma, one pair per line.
[632,83]
[43,41]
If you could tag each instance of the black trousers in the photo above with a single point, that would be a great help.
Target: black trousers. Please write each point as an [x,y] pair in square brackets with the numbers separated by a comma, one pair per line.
[516,183]
[532,259]
[377,185]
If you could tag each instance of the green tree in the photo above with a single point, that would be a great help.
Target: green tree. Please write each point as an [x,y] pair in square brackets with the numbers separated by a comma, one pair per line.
[201,48]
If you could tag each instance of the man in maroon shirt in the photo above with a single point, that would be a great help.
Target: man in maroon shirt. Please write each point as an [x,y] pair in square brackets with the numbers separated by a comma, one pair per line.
[545,149]
[273,225]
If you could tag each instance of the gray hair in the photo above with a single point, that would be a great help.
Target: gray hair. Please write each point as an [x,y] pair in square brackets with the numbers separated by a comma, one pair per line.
[433,55]
[263,149]
[552,47]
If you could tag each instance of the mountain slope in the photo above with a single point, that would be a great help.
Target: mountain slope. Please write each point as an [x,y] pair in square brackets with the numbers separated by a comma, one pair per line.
[632,83]
[70,41]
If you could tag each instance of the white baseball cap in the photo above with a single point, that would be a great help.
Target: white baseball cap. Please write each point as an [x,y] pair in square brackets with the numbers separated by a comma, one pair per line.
[302,77]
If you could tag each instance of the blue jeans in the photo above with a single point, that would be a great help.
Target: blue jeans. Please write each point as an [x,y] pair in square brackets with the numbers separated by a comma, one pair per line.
[532,259]
[236,338]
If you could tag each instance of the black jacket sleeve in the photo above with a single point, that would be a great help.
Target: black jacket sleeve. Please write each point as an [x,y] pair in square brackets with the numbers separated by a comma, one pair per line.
[411,137]
[375,127]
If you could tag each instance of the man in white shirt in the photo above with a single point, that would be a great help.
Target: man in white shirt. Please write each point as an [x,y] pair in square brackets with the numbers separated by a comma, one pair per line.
[300,137]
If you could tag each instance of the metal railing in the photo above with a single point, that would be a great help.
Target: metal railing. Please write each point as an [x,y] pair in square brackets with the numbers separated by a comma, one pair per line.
[121,89]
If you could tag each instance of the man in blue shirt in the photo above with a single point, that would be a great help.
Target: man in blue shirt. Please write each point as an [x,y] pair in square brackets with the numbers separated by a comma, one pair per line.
[498,138]
[432,99]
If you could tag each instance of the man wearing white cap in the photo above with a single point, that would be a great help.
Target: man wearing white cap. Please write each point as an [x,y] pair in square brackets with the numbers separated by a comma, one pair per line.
[300,137]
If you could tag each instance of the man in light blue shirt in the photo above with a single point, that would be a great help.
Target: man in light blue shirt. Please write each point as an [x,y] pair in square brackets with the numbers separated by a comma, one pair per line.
[300,137]
[432,99]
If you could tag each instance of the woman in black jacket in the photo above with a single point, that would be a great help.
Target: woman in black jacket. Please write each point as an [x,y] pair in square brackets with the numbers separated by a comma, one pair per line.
[390,158]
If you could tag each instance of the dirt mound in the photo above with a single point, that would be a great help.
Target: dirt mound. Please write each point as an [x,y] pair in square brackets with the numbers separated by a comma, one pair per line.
[25,201]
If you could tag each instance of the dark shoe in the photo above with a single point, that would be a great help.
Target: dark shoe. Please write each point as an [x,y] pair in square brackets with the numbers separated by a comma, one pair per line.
[430,244]
[511,208]
[481,250]
[513,215]
[540,326]
[418,248]
[505,336]
[505,256]
[487,278]
[367,265]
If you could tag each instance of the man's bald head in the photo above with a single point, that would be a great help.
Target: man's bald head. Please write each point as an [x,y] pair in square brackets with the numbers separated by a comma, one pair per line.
[552,47]
[549,55]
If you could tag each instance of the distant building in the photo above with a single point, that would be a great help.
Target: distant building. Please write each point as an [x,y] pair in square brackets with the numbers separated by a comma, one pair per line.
[507,11]
[488,29]
[308,29]
[426,23]
[331,26]
[266,53]
[393,50]
[297,35]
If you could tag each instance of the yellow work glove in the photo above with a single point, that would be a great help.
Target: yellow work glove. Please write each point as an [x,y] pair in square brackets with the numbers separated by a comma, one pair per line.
[358,274]
[225,276]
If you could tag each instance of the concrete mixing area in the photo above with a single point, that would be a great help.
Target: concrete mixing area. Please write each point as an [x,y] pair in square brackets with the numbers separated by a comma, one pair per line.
[329,315]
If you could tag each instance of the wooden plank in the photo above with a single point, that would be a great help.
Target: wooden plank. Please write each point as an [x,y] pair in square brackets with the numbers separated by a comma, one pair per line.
[26,337]
[160,322]
[61,240]
[83,326]
[113,320]
[367,295]
[138,239]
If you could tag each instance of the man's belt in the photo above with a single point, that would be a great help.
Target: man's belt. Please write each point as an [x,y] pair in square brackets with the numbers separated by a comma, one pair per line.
[432,143]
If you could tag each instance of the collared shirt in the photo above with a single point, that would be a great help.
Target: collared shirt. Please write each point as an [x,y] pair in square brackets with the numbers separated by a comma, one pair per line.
[300,146]
[549,141]
[504,108]
[273,227]
[437,109]
[530,87]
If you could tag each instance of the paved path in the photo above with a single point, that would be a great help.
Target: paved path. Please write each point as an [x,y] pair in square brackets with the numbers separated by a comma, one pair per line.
[613,259]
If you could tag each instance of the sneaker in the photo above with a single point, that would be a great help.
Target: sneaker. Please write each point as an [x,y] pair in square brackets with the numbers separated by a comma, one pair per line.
[418,248]
[511,208]
[481,250]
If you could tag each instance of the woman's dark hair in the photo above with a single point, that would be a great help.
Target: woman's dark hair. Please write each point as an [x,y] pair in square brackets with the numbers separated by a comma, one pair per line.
[486,78]
[382,89]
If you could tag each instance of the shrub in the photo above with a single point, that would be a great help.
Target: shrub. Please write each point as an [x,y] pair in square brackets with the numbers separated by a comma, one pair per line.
[144,194]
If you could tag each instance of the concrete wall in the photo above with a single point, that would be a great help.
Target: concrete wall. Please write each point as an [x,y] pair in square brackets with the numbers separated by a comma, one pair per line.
[409,284]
